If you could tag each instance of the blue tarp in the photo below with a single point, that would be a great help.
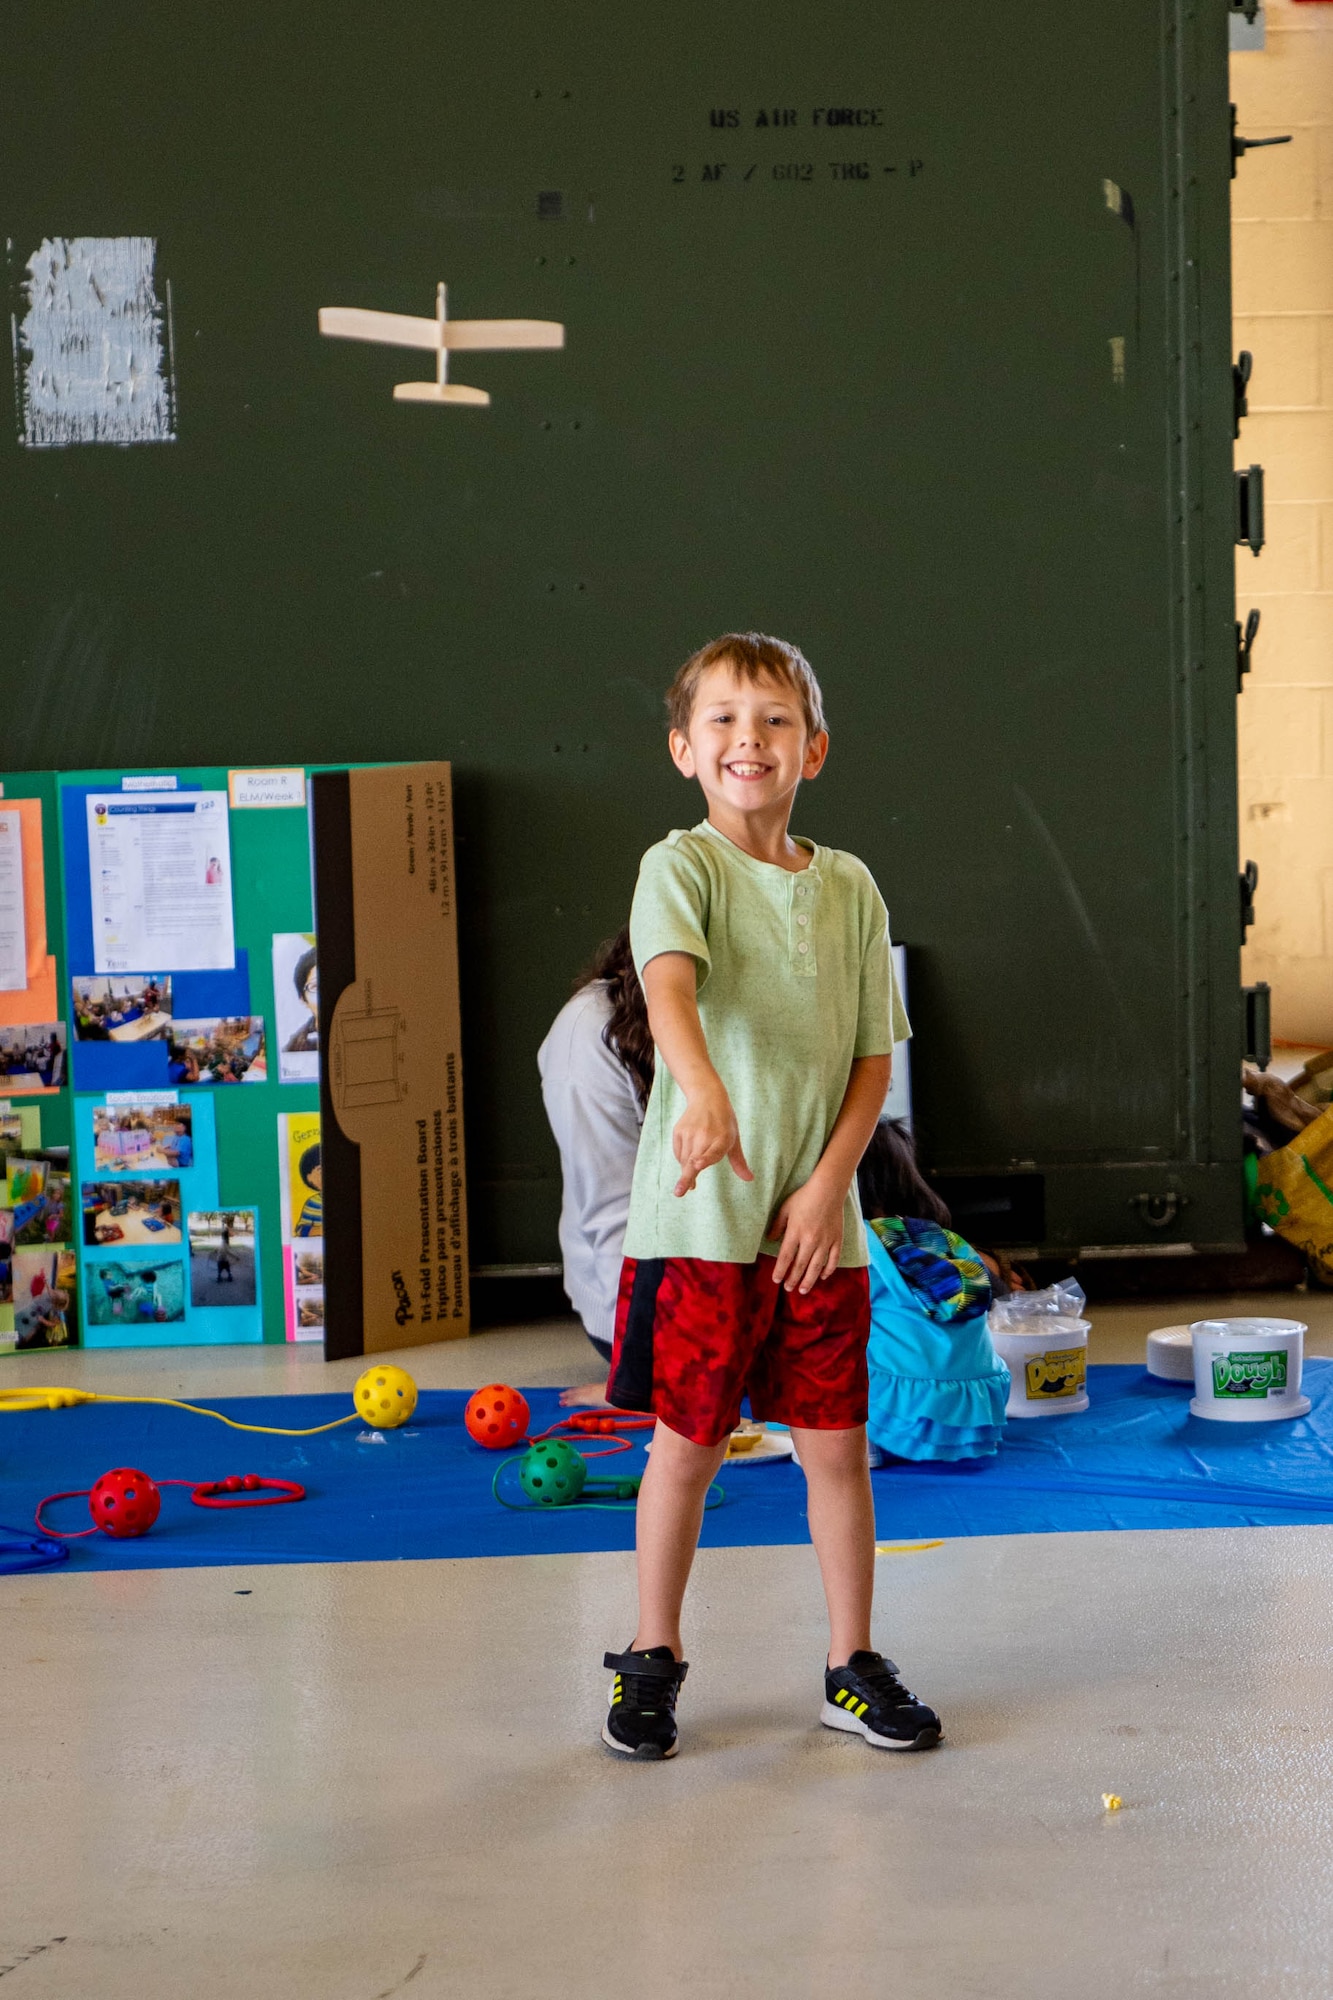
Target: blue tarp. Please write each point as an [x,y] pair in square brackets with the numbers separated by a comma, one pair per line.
[1135,1459]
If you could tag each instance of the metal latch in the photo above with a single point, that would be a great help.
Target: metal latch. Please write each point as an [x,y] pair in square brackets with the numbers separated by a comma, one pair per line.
[1250,507]
[1244,647]
[1240,146]
[1249,882]
[1241,370]
[1159,1211]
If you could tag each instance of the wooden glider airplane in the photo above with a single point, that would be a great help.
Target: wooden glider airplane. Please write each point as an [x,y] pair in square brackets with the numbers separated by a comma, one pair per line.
[442,334]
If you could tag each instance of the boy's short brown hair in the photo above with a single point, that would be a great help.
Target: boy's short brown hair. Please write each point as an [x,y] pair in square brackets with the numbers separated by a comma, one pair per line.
[756,657]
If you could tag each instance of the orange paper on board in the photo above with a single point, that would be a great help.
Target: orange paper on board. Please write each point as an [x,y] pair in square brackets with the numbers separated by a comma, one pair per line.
[41,1001]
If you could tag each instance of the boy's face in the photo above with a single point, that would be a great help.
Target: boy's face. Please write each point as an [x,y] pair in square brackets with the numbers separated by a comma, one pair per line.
[746,742]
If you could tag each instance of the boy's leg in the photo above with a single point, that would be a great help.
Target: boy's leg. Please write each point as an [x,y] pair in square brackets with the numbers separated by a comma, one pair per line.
[842,1528]
[686,1330]
[812,1375]
[670,1514]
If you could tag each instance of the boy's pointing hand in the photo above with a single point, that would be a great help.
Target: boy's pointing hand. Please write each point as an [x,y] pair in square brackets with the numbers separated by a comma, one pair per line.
[706,1133]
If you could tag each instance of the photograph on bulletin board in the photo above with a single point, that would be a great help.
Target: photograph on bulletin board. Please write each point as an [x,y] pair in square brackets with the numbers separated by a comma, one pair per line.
[147,1136]
[133,1008]
[33,1057]
[139,1214]
[45,1298]
[296,1006]
[222,1257]
[229,1050]
[39,1203]
[129,1295]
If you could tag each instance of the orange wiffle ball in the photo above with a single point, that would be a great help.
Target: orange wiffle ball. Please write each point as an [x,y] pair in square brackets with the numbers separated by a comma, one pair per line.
[497,1416]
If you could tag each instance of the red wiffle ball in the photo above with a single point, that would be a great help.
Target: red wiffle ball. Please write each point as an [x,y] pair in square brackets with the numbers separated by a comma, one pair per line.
[497,1416]
[124,1502]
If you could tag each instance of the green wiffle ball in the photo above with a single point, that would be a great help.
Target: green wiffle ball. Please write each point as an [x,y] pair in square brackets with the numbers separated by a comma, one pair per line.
[553,1474]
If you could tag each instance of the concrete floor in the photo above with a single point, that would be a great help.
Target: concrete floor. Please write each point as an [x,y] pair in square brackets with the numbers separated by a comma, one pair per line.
[327,1783]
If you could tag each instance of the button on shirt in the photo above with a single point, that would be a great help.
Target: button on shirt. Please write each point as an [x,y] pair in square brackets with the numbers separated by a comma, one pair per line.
[795,980]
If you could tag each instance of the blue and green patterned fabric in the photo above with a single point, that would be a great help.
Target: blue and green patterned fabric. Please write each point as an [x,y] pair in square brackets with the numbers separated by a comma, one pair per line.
[944,1271]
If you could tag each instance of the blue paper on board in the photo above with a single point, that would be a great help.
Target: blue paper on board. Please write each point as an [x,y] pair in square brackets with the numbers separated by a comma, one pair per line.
[208,996]
[202,1326]
[196,996]
[1136,1459]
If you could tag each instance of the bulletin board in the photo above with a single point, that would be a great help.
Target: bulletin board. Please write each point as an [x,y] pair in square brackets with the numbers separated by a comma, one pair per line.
[38,1293]
[191,989]
[162,1135]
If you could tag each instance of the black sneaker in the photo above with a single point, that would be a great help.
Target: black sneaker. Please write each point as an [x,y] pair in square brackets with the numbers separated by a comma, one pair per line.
[641,1721]
[867,1697]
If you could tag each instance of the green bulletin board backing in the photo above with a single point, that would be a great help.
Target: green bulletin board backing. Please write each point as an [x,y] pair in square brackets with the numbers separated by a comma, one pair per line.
[271,892]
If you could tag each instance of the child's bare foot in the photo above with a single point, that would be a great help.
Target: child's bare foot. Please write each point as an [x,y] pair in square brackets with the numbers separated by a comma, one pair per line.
[585,1395]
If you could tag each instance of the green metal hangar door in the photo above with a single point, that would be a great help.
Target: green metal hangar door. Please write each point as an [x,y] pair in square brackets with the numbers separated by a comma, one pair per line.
[901,332]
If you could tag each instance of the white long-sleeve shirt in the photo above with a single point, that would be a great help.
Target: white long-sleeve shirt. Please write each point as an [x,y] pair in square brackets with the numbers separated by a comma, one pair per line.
[596,1117]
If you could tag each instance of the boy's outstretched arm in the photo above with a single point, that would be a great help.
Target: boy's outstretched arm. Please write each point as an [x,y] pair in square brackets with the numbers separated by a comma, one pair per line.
[706,1130]
[810,1221]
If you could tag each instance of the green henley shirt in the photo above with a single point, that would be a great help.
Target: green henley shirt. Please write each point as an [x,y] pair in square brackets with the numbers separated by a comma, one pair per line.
[795,980]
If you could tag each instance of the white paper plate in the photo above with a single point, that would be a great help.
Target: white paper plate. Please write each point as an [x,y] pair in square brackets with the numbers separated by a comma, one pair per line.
[1170,1355]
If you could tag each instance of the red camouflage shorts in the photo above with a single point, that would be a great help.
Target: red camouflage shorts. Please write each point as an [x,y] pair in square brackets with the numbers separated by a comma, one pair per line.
[693,1337]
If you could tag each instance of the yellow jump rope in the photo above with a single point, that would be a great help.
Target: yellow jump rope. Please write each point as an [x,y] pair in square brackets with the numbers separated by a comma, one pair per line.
[384,1397]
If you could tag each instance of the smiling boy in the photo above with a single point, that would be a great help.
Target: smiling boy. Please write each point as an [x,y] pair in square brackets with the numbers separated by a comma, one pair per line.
[765,964]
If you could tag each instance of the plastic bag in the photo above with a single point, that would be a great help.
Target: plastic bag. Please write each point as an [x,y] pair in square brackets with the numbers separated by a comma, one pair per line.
[1295,1194]
[1017,1313]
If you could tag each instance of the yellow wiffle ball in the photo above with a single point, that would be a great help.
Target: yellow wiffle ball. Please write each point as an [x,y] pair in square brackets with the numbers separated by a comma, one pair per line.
[385,1396]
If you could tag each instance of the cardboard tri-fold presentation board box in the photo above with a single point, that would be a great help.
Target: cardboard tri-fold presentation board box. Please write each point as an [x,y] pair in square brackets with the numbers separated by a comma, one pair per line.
[391,1084]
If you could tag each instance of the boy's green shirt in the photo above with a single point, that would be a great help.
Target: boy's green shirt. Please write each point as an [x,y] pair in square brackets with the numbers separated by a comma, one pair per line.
[794,981]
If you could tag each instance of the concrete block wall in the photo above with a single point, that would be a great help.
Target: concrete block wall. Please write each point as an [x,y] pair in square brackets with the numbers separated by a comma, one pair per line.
[1282,244]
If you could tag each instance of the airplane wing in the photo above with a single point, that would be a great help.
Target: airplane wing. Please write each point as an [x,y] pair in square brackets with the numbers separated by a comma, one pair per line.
[440,392]
[479,333]
[390,329]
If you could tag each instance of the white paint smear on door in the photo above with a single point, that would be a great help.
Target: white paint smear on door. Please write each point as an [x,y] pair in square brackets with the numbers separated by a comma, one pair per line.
[90,352]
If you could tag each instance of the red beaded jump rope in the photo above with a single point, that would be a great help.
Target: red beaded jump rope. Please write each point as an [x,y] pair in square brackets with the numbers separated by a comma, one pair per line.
[247,1490]
[596,1423]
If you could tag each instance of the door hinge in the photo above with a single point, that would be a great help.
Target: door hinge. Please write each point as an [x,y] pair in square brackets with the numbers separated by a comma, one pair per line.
[1249,882]
[1250,508]
[1258,1023]
[1241,146]
[1244,647]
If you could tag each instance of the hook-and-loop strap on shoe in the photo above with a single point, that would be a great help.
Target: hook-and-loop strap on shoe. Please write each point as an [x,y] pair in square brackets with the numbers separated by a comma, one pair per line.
[647,1665]
[641,1719]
